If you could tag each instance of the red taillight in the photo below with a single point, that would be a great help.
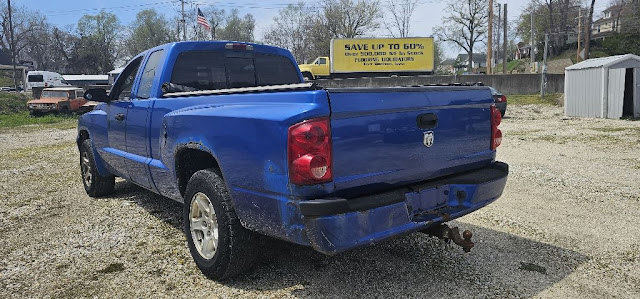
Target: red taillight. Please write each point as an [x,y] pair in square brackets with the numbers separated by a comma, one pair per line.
[502,99]
[496,134]
[309,152]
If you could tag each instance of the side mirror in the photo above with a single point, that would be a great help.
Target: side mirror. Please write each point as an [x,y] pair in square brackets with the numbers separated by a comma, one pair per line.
[96,95]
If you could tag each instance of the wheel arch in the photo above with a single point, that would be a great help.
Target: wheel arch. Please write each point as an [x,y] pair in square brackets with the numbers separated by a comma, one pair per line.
[188,160]
[83,134]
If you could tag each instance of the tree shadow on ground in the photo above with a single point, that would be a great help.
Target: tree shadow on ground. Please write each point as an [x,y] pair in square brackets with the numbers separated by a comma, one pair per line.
[500,265]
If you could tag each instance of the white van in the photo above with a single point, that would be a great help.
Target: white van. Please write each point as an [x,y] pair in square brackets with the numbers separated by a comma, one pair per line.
[42,79]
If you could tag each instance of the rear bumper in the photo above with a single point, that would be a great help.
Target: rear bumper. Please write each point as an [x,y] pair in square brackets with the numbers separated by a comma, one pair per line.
[337,224]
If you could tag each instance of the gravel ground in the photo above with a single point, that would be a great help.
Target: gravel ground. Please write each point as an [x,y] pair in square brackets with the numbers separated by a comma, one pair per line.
[566,226]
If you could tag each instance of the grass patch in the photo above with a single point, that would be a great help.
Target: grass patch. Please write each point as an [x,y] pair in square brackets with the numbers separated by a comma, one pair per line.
[513,65]
[635,163]
[14,113]
[531,99]
[524,133]
[28,152]
[532,268]
[23,118]
[616,129]
[552,139]
[113,267]
[13,102]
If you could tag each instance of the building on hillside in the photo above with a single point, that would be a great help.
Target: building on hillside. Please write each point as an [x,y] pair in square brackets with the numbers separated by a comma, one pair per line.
[479,61]
[523,51]
[609,23]
[447,67]
[607,87]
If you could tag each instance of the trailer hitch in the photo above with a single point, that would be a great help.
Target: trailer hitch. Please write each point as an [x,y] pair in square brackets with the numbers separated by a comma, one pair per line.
[444,232]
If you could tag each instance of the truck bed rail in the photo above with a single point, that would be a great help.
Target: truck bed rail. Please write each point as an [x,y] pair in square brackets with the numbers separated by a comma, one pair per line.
[284,87]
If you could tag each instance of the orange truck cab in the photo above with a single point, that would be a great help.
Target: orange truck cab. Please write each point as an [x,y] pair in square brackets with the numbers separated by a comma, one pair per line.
[57,99]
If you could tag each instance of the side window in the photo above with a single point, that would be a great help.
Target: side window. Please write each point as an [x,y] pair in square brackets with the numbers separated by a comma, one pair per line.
[72,95]
[121,90]
[79,94]
[148,73]
[322,61]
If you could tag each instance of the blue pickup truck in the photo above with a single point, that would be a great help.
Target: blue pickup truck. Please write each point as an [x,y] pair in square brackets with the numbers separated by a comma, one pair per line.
[232,131]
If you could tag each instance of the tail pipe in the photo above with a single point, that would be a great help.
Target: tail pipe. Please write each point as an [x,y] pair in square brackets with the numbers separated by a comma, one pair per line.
[448,234]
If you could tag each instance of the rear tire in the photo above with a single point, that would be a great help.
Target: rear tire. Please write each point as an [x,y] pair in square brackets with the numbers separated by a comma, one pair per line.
[94,184]
[220,246]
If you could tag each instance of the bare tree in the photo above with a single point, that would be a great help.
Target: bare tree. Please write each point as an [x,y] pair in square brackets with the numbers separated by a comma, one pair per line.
[307,34]
[465,26]
[401,12]
[238,28]
[216,20]
[349,19]
[25,23]
[291,29]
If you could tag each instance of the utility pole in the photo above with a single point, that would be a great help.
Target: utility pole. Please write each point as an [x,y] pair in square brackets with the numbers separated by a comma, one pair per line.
[531,52]
[498,52]
[490,38]
[504,48]
[184,23]
[579,33]
[543,72]
[12,46]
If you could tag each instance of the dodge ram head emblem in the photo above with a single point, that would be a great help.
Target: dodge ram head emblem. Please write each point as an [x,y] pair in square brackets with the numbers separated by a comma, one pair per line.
[428,139]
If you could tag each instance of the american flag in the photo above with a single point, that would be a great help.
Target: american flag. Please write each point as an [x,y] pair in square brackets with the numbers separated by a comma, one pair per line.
[202,20]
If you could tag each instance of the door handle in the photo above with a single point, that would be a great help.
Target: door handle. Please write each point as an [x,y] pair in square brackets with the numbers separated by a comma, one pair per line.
[119,117]
[427,121]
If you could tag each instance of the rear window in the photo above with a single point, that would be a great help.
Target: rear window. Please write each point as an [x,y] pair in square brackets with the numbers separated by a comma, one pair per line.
[35,78]
[207,70]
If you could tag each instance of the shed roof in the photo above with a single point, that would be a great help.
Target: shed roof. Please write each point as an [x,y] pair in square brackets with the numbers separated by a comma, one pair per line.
[607,62]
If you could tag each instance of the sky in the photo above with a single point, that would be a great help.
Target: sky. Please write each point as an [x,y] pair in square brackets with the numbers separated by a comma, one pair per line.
[65,14]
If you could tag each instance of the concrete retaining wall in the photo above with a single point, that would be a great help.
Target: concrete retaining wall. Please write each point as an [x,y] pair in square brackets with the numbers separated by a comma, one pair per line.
[507,84]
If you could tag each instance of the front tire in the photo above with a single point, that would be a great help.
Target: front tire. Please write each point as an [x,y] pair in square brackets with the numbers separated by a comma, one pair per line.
[94,184]
[219,245]
[307,76]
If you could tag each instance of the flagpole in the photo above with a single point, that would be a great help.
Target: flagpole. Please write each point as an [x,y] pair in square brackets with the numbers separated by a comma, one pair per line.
[197,27]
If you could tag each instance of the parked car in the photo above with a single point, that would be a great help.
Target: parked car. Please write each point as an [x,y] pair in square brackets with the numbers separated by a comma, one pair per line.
[500,100]
[232,131]
[57,99]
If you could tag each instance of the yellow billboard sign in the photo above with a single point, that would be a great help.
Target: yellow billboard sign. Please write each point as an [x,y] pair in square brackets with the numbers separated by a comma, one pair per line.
[352,55]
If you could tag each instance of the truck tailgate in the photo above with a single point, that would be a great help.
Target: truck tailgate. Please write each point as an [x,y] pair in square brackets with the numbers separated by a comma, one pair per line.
[386,137]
